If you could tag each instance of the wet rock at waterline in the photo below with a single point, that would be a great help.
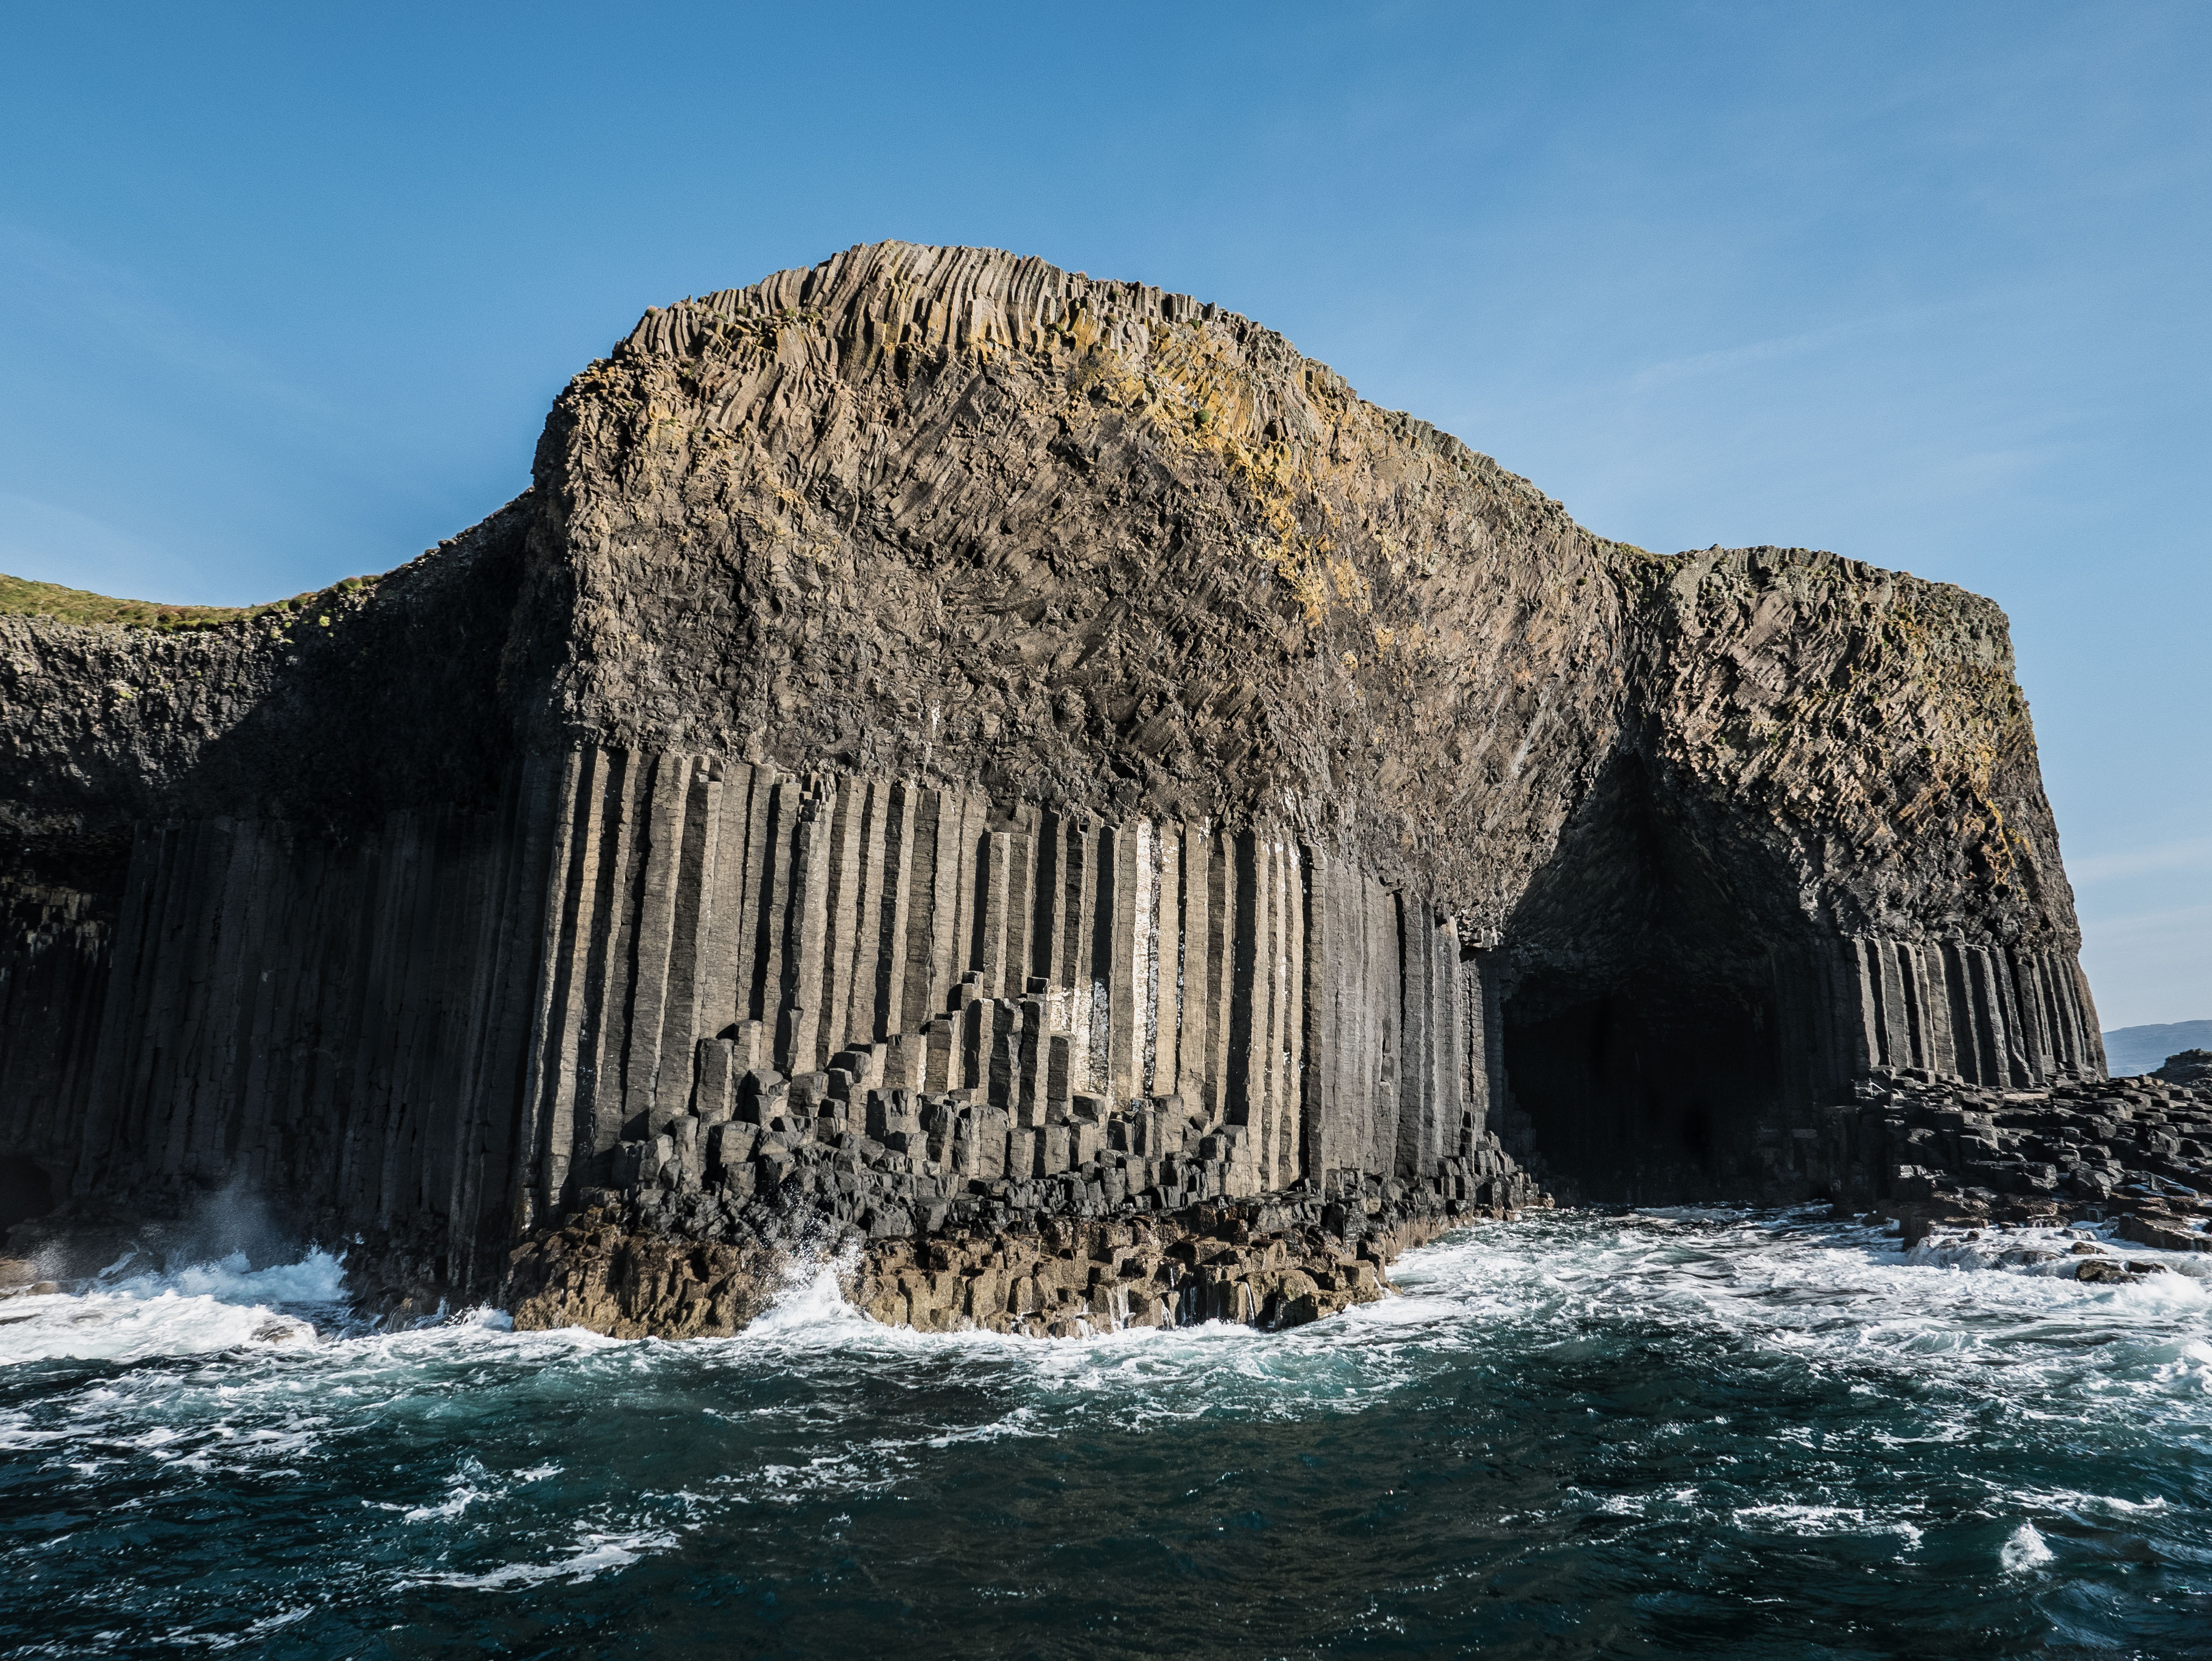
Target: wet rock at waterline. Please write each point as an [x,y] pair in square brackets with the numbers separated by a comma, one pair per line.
[594,1275]
[945,746]
[1933,1152]
[631,1270]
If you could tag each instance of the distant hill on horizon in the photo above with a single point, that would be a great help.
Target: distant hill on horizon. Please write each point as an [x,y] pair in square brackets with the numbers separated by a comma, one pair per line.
[2132,1050]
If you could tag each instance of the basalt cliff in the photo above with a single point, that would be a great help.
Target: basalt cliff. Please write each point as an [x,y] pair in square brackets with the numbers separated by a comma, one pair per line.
[1030,773]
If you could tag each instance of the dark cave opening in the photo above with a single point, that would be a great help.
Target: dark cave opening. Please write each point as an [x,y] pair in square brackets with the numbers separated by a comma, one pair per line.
[1638,1094]
[24,1190]
[1646,1012]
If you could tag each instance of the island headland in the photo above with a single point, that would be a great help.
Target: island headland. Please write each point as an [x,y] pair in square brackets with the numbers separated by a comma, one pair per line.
[1031,782]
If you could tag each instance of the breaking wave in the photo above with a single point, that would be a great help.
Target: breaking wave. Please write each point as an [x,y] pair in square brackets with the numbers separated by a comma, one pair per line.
[1700,1432]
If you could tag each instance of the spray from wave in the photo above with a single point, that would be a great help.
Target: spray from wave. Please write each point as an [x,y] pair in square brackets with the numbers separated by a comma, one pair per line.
[1729,1431]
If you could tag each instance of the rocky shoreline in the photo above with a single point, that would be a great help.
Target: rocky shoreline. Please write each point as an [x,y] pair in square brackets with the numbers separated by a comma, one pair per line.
[696,1250]
[919,1201]
[696,1247]
[702,1243]
[699,1249]
[1061,1279]
[2135,1152]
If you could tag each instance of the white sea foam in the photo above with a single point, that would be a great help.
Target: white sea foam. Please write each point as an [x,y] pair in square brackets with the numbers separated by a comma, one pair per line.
[470,1484]
[594,1553]
[193,1311]
[809,1309]
[1816,1520]
[535,1439]
[1955,1312]
[2024,1551]
[316,1277]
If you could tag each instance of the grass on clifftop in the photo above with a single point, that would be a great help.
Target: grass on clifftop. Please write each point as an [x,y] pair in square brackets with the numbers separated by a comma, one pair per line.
[23,598]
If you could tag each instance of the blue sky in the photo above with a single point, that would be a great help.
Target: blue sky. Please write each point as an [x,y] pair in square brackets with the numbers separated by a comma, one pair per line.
[288,290]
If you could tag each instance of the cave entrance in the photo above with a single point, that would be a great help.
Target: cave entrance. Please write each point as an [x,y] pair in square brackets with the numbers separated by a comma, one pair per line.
[1637,1095]
[25,1192]
[1644,1017]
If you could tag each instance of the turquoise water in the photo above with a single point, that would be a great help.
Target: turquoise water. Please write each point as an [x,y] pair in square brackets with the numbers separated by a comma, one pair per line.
[1698,1434]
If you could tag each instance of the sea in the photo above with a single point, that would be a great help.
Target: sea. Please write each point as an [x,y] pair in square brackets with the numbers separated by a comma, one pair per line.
[1689,1433]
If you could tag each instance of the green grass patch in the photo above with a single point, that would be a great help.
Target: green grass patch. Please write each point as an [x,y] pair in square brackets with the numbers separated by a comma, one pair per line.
[23,598]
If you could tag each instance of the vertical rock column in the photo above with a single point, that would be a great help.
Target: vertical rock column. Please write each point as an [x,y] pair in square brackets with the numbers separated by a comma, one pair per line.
[1241,979]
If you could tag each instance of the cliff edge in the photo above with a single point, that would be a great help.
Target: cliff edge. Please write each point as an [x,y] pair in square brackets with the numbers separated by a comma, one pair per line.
[946,748]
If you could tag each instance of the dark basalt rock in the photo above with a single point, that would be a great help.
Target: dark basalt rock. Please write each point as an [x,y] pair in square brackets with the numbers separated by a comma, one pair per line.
[1931,1150]
[945,745]
[2189,1067]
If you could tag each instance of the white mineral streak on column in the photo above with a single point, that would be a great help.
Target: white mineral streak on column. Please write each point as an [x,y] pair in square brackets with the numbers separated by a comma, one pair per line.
[1167,960]
[1122,973]
[840,930]
[991,949]
[1191,1002]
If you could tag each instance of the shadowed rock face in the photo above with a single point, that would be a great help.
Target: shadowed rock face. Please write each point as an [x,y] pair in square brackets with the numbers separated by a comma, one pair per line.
[943,743]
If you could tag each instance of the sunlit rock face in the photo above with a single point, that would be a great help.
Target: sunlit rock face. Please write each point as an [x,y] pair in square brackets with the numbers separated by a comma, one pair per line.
[954,743]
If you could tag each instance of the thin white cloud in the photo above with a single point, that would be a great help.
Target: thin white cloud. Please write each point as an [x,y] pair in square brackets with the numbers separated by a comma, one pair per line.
[99,301]
[1671,371]
[2190,922]
[2192,853]
[48,542]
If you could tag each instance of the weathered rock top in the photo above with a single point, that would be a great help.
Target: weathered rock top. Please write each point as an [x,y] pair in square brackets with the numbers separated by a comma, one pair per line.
[956,515]
[949,512]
